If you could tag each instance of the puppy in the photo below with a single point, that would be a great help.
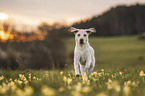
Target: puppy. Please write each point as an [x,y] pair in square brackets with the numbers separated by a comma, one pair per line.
[83,53]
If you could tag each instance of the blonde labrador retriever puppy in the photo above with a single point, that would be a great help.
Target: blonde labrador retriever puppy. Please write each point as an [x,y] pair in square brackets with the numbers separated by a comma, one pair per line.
[83,53]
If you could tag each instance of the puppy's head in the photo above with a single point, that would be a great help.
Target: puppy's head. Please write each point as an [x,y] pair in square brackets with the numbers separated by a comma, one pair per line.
[81,35]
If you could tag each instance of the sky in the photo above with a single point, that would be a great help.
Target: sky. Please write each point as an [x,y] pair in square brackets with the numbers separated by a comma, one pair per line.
[31,13]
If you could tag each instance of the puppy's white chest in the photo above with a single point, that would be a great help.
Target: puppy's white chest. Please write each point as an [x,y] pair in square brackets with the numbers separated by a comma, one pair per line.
[83,59]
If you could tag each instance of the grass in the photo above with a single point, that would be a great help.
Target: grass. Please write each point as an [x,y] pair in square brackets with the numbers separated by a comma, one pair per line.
[64,83]
[119,71]
[115,51]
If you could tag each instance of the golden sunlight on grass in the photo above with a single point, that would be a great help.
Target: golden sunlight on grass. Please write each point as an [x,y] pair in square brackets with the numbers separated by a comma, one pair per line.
[5,35]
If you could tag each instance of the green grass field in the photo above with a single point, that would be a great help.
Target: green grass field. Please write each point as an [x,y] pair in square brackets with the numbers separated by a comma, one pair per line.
[112,52]
[119,71]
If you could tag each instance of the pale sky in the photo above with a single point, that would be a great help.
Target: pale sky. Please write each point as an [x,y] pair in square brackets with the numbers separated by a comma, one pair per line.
[32,12]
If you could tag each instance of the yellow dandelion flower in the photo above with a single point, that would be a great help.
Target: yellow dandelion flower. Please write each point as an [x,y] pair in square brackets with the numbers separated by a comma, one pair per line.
[88,82]
[61,72]
[13,88]
[109,84]
[46,75]
[3,90]
[126,90]
[11,83]
[28,90]
[34,78]
[92,74]
[61,89]
[15,80]
[73,77]
[107,74]
[94,79]
[20,75]
[117,88]
[47,91]
[29,76]
[23,76]
[86,89]
[64,78]
[96,75]
[120,73]
[69,80]
[129,82]
[69,75]
[26,82]
[24,79]
[141,73]
[109,87]
[78,86]
[84,77]
[10,79]
[135,84]
[5,86]
[19,92]
[1,78]
[100,74]
[19,82]
[6,81]
[109,80]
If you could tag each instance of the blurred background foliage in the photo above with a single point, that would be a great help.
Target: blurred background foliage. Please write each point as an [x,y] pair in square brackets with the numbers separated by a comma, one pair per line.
[52,46]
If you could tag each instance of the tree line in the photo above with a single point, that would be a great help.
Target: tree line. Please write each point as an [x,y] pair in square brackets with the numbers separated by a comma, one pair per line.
[117,21]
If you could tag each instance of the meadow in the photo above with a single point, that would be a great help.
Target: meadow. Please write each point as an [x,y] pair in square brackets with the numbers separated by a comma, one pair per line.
[119,71]
[114,52]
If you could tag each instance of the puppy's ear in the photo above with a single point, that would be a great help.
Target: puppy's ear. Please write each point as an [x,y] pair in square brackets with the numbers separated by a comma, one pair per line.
[74,30]
[90,30]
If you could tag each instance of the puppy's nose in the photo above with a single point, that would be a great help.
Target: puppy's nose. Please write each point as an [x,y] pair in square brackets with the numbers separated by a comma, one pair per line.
[81,40]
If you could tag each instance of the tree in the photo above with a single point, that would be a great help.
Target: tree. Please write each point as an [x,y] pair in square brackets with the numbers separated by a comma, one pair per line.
[6,26]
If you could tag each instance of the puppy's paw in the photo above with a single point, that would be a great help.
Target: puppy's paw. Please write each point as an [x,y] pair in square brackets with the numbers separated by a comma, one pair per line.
[77,75]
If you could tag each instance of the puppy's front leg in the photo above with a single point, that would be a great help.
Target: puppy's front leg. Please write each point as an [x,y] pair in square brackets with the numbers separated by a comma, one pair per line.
[87,66]
[76,65]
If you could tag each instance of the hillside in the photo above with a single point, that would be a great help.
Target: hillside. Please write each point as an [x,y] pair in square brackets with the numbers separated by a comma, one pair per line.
[120,20]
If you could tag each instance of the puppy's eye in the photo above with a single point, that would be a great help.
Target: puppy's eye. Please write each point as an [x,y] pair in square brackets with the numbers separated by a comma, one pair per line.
[85,35]
[88,31]
[78,34]
[75,31]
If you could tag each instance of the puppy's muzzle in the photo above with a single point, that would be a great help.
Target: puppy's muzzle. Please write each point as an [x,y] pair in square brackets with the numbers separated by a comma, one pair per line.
[81,41]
